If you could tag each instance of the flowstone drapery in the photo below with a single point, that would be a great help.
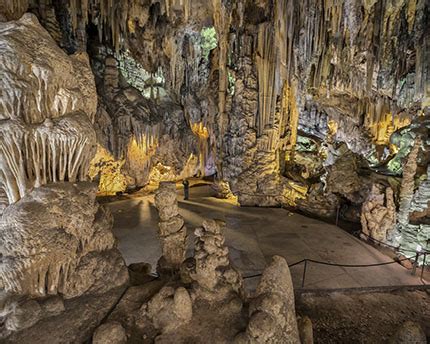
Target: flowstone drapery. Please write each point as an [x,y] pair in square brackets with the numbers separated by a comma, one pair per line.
[58,240]
[47,105]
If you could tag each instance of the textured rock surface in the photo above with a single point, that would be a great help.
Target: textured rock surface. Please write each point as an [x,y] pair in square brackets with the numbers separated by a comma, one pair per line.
[47,105]
[214,277]
[75,325]
[110,333]
[272,313]
[57,239]
[409,332]
[172,230]
[378,214]
[39,80]
[169,309]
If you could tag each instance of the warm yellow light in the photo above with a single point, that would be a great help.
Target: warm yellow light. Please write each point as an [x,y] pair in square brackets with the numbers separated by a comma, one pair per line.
[107,171]
[200,130]
[386,125]
[294,192]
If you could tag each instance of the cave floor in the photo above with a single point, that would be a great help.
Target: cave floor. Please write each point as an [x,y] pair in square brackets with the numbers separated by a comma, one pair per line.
[254,235]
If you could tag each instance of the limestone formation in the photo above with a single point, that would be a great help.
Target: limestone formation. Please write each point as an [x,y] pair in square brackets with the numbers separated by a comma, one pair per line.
[58,240]
[169,309]
[214,277]
[284,103]
[378,214]
[47,106]
[272,314]
[110,333]
[172,230]
[408,183]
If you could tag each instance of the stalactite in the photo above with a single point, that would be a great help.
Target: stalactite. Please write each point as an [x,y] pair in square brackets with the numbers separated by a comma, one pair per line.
[32,156]
[222,20]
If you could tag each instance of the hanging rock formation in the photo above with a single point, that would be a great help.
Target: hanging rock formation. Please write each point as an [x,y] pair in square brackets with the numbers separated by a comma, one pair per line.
[46,108]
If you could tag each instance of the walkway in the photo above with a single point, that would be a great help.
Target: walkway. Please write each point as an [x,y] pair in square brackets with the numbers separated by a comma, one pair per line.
[254,235]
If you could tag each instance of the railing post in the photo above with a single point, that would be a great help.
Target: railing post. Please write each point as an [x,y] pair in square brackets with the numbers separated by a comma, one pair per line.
[414,267]
[304,273]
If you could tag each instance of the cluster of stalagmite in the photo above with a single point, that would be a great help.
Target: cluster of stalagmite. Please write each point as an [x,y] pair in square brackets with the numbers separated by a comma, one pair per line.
[378,214]
[208,300]
[213,275]
[172,230]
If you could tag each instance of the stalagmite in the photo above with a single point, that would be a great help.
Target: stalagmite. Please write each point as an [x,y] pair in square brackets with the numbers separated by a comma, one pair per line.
[172,230]
[408,184]
[378,214]
[215,278]
[272,315]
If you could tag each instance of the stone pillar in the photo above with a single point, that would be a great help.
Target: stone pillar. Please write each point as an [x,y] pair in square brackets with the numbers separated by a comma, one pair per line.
[214,277]
[408,183]
[172,230]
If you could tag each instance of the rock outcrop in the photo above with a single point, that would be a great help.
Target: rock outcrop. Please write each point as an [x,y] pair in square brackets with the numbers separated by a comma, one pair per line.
[58,240]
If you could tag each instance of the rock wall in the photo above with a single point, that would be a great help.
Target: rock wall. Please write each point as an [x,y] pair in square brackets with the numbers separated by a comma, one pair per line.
[47,106]
[57,242]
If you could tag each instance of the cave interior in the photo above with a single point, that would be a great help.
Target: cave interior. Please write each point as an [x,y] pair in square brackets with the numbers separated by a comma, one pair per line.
[189,171]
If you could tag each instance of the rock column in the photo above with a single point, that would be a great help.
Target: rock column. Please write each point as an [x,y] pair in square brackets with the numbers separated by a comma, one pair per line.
[172,229]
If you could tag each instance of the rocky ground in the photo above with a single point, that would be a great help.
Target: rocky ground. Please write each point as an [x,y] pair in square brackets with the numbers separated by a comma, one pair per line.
[363,317]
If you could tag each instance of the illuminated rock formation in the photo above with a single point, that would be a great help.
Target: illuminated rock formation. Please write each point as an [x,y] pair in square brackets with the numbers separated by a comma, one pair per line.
[378,214]
[57,242]
[172,230]
[47,106]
